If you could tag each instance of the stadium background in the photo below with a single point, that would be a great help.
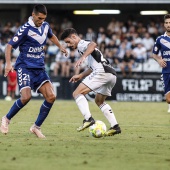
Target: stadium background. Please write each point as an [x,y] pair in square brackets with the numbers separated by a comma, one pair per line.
[143,86]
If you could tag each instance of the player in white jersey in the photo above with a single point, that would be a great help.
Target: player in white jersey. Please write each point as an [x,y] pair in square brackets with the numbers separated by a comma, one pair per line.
[100,77]
[162,45]
[31,39]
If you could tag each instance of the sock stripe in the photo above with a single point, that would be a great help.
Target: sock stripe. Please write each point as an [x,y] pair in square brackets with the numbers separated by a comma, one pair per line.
[45,106]
[17,104]
[103,104]
[78,96]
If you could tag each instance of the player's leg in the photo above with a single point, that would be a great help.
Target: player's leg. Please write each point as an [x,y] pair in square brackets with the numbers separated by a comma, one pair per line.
[25,90]
[168,101]
[83,105]
[17,106]
[48,92]
[108,113]
[165,79]
[13,91]
[108,81]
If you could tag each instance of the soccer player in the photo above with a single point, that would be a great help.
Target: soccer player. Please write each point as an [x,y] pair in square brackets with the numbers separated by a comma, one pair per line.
[100,78]
[31,39]
[162,45]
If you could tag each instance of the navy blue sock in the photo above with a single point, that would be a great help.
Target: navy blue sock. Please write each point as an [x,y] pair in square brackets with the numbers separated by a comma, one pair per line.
[14,109]
[44,110]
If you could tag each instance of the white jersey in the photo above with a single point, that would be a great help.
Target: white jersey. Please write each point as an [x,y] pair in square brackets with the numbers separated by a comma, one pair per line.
[96,61]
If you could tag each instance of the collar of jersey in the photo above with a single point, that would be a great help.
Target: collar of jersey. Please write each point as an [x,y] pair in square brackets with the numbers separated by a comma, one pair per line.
[165,35]
[30,21]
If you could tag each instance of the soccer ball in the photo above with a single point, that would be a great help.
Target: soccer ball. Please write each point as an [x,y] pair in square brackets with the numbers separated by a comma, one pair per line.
[8,98]
[98,129]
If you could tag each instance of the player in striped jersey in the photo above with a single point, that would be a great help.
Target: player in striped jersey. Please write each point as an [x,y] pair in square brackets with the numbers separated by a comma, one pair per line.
[162,45]
[31,39]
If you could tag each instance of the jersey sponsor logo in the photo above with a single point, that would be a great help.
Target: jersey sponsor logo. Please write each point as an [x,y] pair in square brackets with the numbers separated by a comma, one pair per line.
[166,59]
[36,49]
[15,39]
[35,56]
[33,35]
[166,52]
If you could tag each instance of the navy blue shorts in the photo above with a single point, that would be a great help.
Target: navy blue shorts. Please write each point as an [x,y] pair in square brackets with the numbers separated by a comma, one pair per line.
[165,78]
[33,78]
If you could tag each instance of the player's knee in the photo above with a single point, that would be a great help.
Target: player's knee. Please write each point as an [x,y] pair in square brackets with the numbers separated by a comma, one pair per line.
[74,94]
[168,100]
[25,99]
[98,102]
[51,98]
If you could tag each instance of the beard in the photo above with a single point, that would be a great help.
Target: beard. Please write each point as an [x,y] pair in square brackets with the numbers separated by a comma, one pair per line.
[168,29]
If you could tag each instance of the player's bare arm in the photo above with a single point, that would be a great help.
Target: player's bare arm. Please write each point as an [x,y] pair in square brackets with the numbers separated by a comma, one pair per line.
[78,77]
[88,51]
[55,40]
[8,65]
[160,61]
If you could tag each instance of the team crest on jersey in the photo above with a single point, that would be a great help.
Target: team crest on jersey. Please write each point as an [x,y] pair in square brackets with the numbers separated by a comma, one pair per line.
[15,39]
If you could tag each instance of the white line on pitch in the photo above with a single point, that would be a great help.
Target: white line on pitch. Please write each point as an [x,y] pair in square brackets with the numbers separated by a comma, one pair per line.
[67,123]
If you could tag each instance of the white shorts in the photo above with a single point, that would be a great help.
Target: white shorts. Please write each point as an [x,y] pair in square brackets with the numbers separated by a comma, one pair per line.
[101,83]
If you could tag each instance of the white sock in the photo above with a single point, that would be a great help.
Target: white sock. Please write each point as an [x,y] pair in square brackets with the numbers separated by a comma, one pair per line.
[169,106]
[108,113]
[83,106]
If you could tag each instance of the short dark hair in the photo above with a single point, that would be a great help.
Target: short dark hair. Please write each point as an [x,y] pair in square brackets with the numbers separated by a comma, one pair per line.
[67,32]
[167,16]
[40,8]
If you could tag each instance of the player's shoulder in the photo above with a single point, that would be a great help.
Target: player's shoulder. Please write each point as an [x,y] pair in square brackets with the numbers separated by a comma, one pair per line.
[83,42]
[159,37]
[22,29]
[45,23]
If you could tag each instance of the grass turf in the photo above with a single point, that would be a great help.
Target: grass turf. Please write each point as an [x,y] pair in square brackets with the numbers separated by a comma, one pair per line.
[143,145]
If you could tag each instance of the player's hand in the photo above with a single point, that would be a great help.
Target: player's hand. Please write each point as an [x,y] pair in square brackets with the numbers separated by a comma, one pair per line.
[75,78]
[162,63]
[80,61]
[63,50]
[8,68]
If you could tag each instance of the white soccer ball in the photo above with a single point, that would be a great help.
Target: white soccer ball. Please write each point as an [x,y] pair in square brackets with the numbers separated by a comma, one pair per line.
[8,98]
[98,129]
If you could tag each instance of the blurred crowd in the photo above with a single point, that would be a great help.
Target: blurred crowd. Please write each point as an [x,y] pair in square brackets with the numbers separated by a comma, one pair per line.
[124,44]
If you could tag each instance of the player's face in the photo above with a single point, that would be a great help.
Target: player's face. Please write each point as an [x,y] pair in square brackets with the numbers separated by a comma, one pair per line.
[167,25]
[38,19]
[71,41]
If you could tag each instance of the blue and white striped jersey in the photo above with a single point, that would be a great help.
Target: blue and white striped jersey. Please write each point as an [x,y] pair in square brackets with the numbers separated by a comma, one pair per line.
[31,41]
[162,44]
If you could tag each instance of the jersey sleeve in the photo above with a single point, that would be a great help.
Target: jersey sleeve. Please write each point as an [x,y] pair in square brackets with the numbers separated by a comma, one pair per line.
[50,32]
[82,45]
[156,46]
[19,37]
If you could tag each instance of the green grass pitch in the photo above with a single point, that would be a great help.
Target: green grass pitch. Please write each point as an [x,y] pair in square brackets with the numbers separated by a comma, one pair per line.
[144,143]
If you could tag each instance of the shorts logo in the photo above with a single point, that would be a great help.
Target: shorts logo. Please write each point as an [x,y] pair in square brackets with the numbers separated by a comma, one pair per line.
[15,39]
